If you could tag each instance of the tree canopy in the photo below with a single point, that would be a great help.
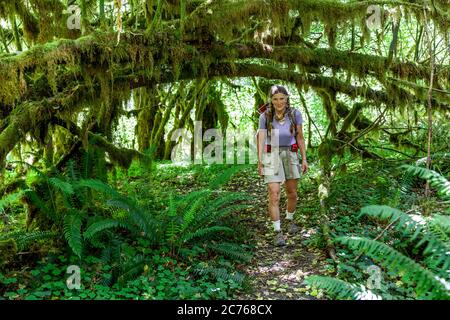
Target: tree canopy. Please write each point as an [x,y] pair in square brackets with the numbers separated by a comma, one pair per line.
[51,72]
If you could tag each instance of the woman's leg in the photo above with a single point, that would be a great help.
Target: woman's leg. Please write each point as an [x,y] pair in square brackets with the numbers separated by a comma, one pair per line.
[291,194]
[274,200]
[274,211]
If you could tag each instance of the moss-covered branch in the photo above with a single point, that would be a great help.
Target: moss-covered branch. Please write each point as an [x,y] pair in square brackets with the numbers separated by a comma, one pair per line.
[359,64]
[392,99]
[119,156]
[224,17]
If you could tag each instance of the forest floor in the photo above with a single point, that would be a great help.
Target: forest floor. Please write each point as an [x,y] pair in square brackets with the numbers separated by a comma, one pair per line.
[276,272]
[273,273]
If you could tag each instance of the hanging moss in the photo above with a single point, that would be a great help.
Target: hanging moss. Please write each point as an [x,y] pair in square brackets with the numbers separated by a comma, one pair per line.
[327,149]
[120,156]
[351,117]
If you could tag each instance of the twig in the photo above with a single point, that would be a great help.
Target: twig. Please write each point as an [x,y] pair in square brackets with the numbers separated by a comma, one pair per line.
[382,232]
[432,50]
[379,236]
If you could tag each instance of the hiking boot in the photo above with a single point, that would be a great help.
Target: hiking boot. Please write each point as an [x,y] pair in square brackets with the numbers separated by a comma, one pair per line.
[293,228]
[279,239]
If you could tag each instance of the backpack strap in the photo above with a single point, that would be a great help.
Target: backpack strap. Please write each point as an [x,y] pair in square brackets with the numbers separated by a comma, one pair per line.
[292,119]
[268,126]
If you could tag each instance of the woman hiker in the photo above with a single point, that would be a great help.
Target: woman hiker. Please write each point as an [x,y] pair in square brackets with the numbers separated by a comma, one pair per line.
[280,135]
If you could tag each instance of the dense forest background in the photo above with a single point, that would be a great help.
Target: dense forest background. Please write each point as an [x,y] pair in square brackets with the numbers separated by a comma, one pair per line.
[92,93]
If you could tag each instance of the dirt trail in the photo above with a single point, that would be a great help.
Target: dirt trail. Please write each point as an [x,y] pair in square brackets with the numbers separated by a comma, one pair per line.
[275,272]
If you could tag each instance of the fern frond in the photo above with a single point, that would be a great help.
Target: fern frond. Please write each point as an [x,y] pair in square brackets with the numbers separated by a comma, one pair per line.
[143,220]
[441,222]
[227,199]
[439,227]
[10,199]
[224,177]
[132,269]
[213,216]
[121,203]
[73,174]
[426,282]
[231,250]
[24,239]
[220,207]
[438,249]
[100,226]
[406,183]
[404,222]
[201,233]
[181,202]
[99,186]
[172,209]
[173,230]
[191,212]
[335,287]
[436,180]
[72,232]
[65,187]
[218,273]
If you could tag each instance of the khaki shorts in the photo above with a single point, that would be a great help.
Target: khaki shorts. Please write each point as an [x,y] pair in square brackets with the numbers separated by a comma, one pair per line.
[281,166]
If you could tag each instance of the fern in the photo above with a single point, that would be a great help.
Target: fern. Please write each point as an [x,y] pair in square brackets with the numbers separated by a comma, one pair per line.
[407,183]
[220,207]
[133,268]
[100,226]
[173,228]
[440,227]
[99,186]
[201,233]
[224,177]
[218,273]
[172,232]
[24,239]
[200,217]
[190,214]
[72,232]
[404,223]
[136,215]
[436,180]
[112,256]
[65,187]
[172,210]
[225,200]
[231,250]
[71,172]
[216,215]
[437,249]
[336,287]
[123,268]
[393,260]
[181,202]
[10,199]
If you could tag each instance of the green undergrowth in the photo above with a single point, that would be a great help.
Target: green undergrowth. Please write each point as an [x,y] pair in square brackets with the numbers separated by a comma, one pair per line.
[392,241]
[165,233]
